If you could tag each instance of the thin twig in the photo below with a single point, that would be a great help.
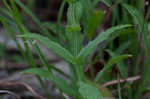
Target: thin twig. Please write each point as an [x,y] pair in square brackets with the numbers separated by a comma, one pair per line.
[9,93]
[148,14]
[21,84]
[130,79]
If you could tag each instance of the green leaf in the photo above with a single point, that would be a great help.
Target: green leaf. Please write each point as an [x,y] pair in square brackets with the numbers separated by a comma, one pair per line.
[143,29]
[60,13]
[89,92]
[60,83]
[146,72]
[4,22]
[101,37]
[145,41]
[119,89]
[109,65]
[137,16]
[55,47]
[93,22]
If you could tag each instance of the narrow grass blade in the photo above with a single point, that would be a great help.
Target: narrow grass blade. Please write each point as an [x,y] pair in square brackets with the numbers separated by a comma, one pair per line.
[101,37]
[143,29]
[145,41]
[55,47]
[6,12]
[7,5]
[11,33]
[115,14]
[60,13]
[28,54]
[60,83]
[146,72]
[119,89]
[46,64]
[35,19]
[129,90]
[17,17]
[137,16]
[109,65]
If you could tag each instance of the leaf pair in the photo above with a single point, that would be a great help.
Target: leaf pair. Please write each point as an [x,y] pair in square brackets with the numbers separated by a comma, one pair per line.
[55,47]
[67,56]
[64,53]
[99,39]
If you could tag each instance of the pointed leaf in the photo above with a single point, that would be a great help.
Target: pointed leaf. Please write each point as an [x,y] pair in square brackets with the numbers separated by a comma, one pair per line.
[101,37]
[137,16]
[55,47]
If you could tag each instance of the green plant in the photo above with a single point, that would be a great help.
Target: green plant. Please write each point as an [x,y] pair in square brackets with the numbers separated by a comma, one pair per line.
[81,17]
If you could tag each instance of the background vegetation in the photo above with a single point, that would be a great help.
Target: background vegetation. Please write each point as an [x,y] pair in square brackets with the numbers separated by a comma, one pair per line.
[105,44]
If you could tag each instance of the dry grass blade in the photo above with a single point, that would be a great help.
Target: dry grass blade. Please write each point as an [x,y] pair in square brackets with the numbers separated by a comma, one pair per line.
[20,86]
[9,93]
[113,82]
